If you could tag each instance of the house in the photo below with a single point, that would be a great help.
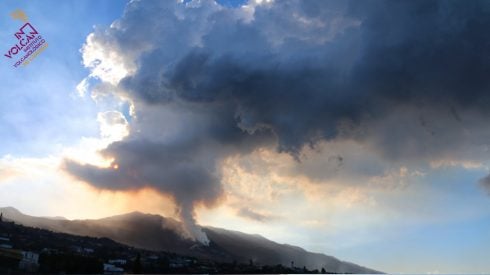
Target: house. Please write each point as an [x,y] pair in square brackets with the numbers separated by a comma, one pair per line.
[29,262]
[5,243]
[112,269]
[153,257]
[76,249]
[179,262]
[117,262]
[49,250]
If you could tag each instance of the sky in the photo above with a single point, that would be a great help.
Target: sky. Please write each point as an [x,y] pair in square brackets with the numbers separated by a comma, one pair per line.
[358,129]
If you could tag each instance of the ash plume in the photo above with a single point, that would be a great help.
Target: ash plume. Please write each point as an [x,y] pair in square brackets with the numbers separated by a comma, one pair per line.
[207,82]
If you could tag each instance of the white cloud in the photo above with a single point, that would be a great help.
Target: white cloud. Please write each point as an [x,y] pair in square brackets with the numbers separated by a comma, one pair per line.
[104,60]
[83,87]
[113,126]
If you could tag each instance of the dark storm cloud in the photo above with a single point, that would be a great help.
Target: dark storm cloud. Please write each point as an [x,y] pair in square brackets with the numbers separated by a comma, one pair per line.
[425,51]
[412,53]
[404,76]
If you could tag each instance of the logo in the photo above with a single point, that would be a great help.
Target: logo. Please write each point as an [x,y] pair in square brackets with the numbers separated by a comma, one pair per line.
[29,43]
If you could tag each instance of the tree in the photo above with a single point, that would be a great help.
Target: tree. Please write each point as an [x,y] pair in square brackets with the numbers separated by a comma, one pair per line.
[137,264]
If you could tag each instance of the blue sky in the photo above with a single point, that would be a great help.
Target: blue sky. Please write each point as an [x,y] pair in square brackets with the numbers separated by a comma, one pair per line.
[40,105]
[447,246]
[413,214]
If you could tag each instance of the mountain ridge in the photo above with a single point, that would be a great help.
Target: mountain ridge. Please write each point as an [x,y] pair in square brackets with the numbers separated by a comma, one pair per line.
[158,233]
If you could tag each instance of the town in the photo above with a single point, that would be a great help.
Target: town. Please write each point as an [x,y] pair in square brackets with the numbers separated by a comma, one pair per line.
[33,250]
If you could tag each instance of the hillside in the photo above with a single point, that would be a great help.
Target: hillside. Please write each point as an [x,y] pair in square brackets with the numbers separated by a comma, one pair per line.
[157,233]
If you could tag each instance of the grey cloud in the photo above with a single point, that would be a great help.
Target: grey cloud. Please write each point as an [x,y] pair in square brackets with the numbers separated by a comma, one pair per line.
[253,215]
[321,168]
[177,157]
[429,56]
[182,170]
[209,84]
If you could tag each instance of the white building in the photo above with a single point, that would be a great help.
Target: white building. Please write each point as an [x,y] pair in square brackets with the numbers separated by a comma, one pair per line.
[29,262]
[112,269]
